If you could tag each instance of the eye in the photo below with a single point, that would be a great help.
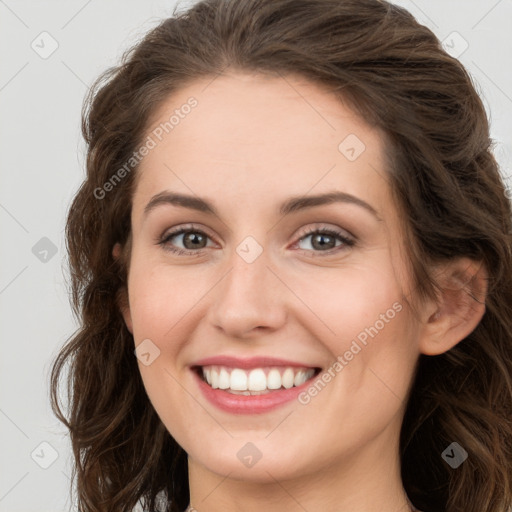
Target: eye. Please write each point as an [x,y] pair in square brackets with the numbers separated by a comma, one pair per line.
[325,240]
[193,240]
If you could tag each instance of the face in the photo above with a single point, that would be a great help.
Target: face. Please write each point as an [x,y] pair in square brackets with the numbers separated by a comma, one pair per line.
[267,288]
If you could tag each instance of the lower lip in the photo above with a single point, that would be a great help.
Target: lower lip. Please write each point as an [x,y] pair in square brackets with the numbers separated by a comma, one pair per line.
[249,404]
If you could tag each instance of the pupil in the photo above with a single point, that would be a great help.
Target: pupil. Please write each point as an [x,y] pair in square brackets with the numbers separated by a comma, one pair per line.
[321,244]
[194,238]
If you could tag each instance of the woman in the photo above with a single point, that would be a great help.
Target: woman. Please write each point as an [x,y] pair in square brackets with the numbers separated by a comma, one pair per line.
[291,261]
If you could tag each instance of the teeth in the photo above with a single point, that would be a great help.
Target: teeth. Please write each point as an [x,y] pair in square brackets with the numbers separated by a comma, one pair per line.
[299,378]
[287,378]
[238,380]
[214,380]
[223,379]
[256,381]
[273,379]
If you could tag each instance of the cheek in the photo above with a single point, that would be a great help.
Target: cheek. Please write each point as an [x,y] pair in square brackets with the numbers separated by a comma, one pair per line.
[161,305]
[361,318]
[160,298]
[346,303]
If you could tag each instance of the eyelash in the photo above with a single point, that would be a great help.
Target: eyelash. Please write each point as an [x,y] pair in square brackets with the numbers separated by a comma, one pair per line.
[165,240]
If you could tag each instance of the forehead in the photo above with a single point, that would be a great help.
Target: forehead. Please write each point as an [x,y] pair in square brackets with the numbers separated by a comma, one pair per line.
[257,136]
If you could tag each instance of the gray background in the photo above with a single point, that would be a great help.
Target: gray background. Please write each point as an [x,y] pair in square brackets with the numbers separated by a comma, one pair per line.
[42,158]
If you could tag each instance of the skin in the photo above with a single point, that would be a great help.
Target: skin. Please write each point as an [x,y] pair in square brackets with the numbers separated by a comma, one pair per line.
[252,142]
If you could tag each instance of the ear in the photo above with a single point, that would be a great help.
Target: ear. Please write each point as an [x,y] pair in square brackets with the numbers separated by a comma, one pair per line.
[459,308]
[122,296]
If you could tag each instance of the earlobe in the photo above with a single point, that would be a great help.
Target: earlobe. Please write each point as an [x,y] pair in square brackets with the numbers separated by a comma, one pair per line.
[122,300]
[459,308]
[116,250]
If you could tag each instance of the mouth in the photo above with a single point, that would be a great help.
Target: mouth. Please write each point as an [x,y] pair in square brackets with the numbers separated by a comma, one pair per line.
[255,381]
[252,385]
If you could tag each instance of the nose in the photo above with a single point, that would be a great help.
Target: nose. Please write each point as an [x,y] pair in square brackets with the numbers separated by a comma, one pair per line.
[249,299]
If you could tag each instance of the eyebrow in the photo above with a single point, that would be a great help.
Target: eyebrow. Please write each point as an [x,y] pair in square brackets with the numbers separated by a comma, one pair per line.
[293,204]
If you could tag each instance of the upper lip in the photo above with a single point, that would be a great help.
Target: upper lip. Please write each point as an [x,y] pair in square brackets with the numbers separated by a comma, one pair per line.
[246,363]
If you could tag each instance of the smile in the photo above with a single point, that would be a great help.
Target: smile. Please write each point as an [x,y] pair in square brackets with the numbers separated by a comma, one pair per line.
[251,386]
[257,381]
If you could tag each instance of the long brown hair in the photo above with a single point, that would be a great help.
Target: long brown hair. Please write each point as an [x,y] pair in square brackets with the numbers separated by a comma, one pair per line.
[444,178]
